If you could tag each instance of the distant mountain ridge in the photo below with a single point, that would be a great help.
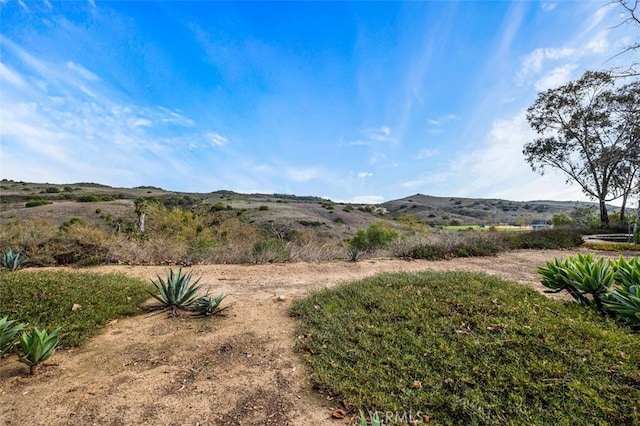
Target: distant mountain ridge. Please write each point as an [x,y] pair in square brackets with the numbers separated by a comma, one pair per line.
[481,210]
[432,209]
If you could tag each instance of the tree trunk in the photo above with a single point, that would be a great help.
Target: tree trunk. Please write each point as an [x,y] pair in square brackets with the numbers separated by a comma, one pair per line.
[635,224]
[604,215]
[623,219]
[141,218]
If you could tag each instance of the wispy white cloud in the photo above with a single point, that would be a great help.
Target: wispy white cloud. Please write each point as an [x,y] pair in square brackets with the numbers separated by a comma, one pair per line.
[556,77]
[379,134]
[426,153]
[141,122]
[498,169]
[48,125]
[367,199]
[169,116]
[363,175]
[427,181]
[599,43]
[82,71]
[376,158]
[439,121]
[302,175]
[511,24]
[11,77]
[217,139]
[533,63]
[377,138]
[549,6]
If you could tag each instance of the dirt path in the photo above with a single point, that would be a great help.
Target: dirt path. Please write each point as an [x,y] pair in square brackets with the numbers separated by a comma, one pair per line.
[241,369]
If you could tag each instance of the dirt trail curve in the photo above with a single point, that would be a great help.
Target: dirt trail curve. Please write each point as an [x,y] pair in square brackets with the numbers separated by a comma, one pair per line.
[241,369]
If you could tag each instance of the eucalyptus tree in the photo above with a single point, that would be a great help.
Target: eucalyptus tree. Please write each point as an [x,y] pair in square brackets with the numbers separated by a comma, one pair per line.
[588,129]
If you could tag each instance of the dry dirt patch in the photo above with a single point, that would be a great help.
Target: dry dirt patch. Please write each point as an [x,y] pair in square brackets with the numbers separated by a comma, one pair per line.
[238,369]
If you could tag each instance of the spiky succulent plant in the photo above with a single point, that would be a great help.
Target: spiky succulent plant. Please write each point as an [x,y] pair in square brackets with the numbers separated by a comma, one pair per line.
[177,292]
[8,331]
[36,346]
[207,305]
[12,260]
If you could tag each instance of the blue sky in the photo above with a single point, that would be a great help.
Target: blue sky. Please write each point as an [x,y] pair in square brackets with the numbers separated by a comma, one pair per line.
[354,101]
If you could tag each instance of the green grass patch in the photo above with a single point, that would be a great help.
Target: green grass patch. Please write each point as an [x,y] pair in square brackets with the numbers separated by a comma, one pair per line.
[45,299]
[612,246]
[468,348]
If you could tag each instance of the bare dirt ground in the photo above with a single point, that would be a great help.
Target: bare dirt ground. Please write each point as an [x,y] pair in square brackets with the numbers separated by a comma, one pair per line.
[235,370]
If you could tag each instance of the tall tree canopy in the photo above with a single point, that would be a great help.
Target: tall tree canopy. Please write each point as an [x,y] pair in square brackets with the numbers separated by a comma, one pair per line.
[589,129]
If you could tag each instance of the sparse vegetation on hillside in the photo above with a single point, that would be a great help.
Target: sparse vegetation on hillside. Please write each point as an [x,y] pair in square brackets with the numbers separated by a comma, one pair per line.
[164,227]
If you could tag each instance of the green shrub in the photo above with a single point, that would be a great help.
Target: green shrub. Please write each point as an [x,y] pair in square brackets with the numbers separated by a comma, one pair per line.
[547,239]
[426,252]
[177,292]
[271,250]
[35,202]
[94,198]
[263,208]
[217,207]
[52,190]
[602,246]
[459,244]
[376,236]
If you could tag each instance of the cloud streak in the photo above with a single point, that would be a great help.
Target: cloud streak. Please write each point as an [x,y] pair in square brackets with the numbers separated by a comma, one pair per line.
[68,119]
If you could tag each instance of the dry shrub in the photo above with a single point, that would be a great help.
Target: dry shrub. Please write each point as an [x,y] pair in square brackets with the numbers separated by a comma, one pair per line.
[26,236]
[311,247]
[446,244]
[160,249]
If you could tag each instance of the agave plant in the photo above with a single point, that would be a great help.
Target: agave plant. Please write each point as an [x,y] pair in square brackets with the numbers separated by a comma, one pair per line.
[580,276]
[207,305]
[626,303]
[37,346]
[12,260]
[555,278]
[627,271]
[353,254]
[177,292]
[8,331]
